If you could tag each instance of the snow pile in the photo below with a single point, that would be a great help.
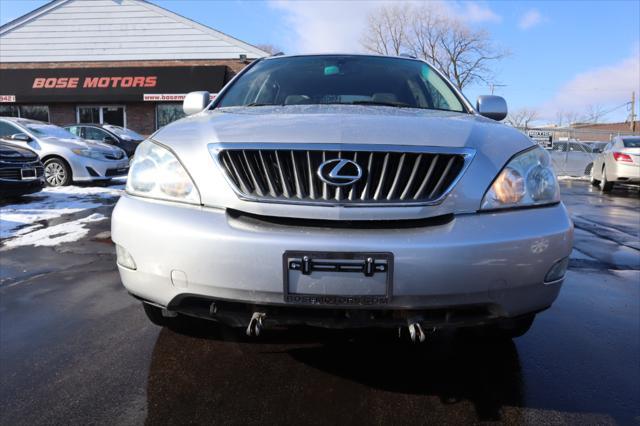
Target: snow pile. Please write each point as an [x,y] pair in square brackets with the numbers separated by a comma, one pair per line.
[22,219]
[53,235]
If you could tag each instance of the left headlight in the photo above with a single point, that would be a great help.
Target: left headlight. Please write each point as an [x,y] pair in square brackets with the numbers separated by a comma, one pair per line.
[156,173]
[527,180]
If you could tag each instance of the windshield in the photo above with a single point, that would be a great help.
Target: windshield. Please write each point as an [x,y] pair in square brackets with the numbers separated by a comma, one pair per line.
[631,142]
[340,79]
[124,133]
[49,130]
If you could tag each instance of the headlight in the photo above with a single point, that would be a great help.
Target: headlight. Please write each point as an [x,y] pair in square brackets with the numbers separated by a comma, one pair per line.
[85,152]
[527,180]
[156,173]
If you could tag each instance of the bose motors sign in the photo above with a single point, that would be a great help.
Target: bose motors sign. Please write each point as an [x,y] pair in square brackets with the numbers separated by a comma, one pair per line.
[94,82]
[108,84]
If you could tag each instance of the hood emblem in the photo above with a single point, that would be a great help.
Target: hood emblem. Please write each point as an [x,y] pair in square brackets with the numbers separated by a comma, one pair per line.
[339,172]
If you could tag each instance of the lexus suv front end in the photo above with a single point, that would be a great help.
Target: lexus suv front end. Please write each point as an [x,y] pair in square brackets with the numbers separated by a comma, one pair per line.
[342,191]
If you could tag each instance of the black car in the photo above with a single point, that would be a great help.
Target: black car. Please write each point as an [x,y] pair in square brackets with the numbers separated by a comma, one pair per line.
[21,171]
[125,139]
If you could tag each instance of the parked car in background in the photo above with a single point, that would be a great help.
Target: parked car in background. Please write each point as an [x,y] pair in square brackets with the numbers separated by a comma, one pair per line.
[343,191]
[66,157]
[596,147]
[571,158]
[21,171]
[619,162]
[125,139]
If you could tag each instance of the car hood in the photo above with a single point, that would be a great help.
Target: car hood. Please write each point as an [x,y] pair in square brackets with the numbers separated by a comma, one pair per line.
[492,142]
[80,144]
[14,153]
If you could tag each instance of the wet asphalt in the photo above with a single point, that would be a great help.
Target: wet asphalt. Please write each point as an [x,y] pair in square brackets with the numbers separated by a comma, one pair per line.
[75,348]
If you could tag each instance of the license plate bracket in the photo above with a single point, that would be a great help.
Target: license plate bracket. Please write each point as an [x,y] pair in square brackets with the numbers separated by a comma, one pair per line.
[337,278]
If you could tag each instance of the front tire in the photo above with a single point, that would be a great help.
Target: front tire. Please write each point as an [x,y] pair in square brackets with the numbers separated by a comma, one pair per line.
[57,172]
[588,169]
[605,185]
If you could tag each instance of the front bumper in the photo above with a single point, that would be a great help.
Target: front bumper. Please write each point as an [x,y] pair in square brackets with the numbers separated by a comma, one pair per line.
[496,261]
[88,169]
[14,188]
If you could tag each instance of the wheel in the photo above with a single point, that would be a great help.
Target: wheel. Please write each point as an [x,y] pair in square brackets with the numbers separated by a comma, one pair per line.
[57,172]
[594,181]
[155,315]
[509,328]
[605,185]
[587,170]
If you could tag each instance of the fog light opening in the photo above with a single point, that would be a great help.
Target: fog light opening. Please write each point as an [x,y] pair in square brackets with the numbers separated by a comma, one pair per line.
[557,271]
[124,259]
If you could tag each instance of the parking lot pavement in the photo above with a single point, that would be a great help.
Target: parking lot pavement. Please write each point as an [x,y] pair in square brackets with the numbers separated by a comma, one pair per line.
[76,349]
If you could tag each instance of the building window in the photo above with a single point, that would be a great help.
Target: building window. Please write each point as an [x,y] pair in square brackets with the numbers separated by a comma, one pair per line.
[108,114]
[33,112]
[168,112]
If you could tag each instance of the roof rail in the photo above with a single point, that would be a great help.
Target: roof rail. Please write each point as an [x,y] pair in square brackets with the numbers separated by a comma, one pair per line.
[278,54]
[408,55]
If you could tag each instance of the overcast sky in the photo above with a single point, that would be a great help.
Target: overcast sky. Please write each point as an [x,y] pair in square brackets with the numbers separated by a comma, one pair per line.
[565,55]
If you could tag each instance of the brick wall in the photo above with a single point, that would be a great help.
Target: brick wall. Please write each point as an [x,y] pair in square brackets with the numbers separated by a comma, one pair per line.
[141,117]
[62,114]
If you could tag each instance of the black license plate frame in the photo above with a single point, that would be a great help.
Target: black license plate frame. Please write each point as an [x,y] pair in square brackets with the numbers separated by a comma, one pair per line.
[325,257]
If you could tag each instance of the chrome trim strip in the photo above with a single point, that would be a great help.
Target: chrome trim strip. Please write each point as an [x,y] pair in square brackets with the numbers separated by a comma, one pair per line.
[467,153]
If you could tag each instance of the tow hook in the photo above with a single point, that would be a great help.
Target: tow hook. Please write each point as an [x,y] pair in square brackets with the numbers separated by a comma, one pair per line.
[255,324]
[416,333]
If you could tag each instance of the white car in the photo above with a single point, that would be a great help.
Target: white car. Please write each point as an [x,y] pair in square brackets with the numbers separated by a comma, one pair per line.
[619,162]
[66,157]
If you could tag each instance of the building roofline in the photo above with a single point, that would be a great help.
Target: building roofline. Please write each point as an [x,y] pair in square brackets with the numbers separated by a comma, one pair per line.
[259,53]
[13,24]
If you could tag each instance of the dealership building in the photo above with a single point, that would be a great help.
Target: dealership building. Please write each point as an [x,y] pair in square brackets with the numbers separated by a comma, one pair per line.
[122,62]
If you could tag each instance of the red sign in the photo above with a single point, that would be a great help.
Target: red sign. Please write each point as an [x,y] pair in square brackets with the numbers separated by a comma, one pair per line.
[94,82]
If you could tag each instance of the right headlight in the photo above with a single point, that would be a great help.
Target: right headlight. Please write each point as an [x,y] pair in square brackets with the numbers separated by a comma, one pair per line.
[155,172]
[527,180]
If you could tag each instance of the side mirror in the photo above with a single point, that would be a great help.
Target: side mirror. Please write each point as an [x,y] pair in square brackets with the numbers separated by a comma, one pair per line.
[195,102]
[21,137]
[493,107]
[110,140]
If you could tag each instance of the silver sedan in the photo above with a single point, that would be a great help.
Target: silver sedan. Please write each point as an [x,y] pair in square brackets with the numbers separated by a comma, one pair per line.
[66,157]
[619,162]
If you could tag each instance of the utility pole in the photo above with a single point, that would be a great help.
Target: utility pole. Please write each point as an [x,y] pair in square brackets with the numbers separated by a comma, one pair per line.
[633,111]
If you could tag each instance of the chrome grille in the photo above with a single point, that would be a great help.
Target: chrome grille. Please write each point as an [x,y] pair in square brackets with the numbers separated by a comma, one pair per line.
[396,176]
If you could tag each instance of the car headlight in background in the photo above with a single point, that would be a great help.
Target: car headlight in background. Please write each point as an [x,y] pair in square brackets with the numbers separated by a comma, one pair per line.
[527,180]
[90,153]
[156,173]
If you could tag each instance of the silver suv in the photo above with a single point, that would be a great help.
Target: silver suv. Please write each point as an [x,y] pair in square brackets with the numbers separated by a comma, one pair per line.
[343,191]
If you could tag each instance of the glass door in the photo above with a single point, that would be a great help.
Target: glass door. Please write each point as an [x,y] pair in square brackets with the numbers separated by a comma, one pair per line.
[108,114]
[113,115]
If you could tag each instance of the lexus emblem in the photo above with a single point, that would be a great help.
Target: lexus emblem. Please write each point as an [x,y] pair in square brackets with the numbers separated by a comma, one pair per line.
[339,172]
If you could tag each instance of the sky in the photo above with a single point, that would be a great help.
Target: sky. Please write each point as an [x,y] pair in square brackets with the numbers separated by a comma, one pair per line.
[564,55]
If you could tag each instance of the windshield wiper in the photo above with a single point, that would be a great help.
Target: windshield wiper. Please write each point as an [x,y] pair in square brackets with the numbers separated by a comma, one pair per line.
[252,104]
[382,103]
